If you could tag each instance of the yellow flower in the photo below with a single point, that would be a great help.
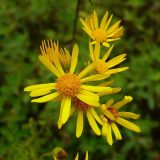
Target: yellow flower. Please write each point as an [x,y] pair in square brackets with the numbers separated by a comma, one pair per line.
[111,116]
[49,49]
[102,33]
[77,157]
[83,108]
[68,85]
[92,116]
[103,65]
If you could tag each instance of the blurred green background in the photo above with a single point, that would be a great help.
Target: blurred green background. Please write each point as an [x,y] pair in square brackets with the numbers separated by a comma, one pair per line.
[29,131]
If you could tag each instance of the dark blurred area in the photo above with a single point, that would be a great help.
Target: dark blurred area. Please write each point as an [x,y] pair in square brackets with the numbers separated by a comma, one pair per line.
[29,131]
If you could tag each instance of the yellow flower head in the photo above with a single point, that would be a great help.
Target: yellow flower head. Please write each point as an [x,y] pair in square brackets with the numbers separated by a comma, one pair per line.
[102,33]
[103,65]
[83,108]
[90,111]
[68,85]
[111,116]
[51,49]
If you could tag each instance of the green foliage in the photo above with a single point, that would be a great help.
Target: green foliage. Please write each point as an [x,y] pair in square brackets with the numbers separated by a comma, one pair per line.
[29,131]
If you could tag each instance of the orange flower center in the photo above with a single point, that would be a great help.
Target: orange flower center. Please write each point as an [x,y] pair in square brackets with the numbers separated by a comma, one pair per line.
[100,35]
[101,67]
[81,105]
[68,85]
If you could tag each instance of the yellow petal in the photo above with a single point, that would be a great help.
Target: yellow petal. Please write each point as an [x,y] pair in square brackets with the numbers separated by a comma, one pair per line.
[85,25]
[95,77]
[77,157]
[40,92]
[67,55]
[113,27]
[60,114]
[109,134]
[93,123]
[105,129]
[55,158]
[112,39]
[88,69]
[91,23]
[57,62]
[128,124]
[88,32]
[116,70]
[96,116]
[93,42]
[91,52]
[90,94]
[114,90]
[38,86]
[109,103]
[74,58]
[108,83]
[108,22]
[66,109]
[96,88]
[103,22]
[86,156]
[109,114]
[87,99]
[97,50]
[49,65]
[42,49]
[106,44]
[116,131]
[46,98]
[106,55]
[115,32]
[95,19]
[106,112]
[128,115]
[79,126]
[121,103]
[118,33]
[116,60]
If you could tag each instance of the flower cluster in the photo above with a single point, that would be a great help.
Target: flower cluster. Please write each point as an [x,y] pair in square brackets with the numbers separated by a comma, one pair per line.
[81,91]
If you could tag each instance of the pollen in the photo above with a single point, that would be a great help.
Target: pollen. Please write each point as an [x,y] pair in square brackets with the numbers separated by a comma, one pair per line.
[101,67]
[68,85]
[81,105]
[100,35]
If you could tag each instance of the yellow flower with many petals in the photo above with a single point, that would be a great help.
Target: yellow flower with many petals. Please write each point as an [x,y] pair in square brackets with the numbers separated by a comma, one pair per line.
[111,116]
[92,116]
[68,85]
[83,108]
[103,65]
[102,33]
